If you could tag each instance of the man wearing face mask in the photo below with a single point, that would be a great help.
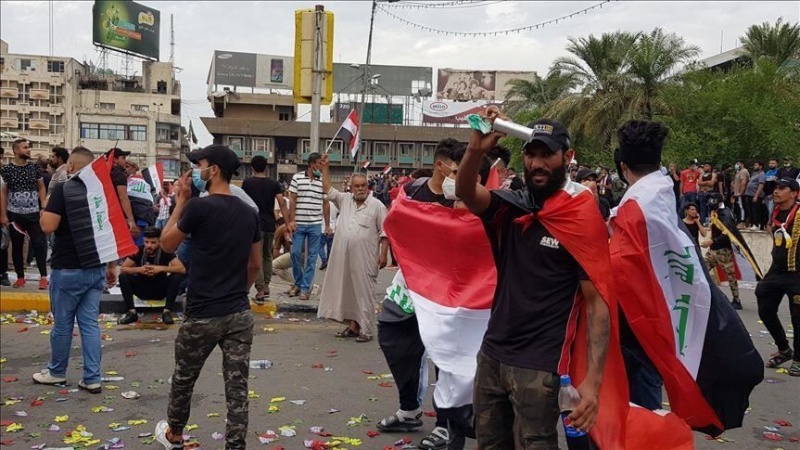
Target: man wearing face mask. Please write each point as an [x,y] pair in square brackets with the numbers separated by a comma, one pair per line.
[788,170]
[309,209]
[359,252]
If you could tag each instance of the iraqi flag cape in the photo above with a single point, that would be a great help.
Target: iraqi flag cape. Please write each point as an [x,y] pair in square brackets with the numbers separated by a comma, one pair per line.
[154,176]
[743,260]
[95,217]
[684,322]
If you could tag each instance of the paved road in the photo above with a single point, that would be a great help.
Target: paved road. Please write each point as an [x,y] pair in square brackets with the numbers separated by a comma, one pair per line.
[296,343]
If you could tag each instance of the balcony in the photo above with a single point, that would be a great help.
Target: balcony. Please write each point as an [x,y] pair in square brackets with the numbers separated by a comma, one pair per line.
[8,122]
[263,154]
[239,153]
[427,160]
[335,157]
[56,110]
[9,92]
[382,159]
[406,160]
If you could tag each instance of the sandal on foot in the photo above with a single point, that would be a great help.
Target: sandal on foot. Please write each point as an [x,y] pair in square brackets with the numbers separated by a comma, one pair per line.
[259,300]
[394,423]
[794,370]
[436,440]
[363,338]
[779,358]
[347,333]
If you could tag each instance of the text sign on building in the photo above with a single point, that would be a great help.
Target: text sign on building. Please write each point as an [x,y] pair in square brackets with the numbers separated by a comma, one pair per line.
[126,26]
[253,70]
[455,113]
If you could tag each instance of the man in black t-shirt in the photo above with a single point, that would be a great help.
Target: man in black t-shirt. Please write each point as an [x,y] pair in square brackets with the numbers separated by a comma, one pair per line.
[74,292]
[264,191]
[225,261]
[151,274]
[691,218]
[720,253]
[783,277]
[119,178]
[589,179]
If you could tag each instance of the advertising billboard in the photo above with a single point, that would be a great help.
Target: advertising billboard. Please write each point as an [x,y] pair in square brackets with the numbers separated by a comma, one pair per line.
[127,27]
[473,85]
[450,112]
[402,81]
[376,113]
[252,70]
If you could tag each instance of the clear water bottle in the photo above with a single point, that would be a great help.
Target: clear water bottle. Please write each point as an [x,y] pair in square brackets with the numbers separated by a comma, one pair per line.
[261,364]
[568,400]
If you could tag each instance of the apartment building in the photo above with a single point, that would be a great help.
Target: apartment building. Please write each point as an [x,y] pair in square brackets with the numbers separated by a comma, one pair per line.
[57,101]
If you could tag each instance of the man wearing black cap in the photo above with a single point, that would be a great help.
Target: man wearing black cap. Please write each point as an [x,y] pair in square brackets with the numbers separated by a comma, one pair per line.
[225,261]
[589,179]
[548,266]
[788,170]
[783,277]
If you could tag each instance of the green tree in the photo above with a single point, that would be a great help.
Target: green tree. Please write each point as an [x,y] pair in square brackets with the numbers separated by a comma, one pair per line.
[527,95]
[778,42]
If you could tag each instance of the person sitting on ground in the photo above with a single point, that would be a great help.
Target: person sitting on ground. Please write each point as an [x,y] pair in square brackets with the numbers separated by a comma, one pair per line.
[151,274]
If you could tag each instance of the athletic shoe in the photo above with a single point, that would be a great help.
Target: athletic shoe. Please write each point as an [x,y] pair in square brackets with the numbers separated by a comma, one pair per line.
[162,428]
[45,377]
[166,318]
[4,280]
[323,266]
[737,304]
[129,317]
[93,388]
[43,284]
[19,283]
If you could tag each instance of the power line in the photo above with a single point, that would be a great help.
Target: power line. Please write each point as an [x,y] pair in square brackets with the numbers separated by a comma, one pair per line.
[493,33]
[459,4]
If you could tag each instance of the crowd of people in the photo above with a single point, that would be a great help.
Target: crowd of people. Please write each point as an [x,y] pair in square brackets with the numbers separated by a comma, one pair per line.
[207,238]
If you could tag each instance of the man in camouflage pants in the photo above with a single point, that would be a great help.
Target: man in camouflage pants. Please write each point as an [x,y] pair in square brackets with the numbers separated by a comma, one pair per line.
[225,261]
[720,253]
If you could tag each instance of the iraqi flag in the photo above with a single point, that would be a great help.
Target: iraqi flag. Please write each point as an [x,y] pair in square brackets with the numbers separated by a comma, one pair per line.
[154,176]
[95,217]
[349,133]
[386,170]
[365,164]
[684,322]
[744,262]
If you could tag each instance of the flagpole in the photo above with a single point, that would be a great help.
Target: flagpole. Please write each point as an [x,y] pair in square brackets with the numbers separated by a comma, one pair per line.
[366,80]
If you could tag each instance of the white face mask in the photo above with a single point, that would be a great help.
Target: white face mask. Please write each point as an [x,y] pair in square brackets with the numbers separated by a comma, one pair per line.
[449,189]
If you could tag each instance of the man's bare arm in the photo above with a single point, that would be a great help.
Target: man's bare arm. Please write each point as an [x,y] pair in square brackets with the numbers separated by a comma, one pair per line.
[475,196]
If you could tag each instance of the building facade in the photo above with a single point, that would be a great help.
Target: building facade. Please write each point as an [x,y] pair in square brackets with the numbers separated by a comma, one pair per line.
[57,101]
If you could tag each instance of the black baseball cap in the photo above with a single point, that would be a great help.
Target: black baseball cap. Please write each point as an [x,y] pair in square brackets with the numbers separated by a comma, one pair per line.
[117,152]
[585,174]
[788,183]
[552,133]
[217,155]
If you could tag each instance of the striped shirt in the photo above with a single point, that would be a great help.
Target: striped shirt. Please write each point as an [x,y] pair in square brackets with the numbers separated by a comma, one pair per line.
[309,199]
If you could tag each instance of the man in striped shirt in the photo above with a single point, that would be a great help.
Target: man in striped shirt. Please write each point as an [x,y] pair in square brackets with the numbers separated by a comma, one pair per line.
[309,209]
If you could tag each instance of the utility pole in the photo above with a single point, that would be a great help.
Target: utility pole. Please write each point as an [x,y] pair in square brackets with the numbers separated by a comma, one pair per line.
[316,98]
[366,80]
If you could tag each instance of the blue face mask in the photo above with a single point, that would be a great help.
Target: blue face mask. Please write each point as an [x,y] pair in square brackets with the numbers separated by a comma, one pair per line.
[198,182]
[317,174]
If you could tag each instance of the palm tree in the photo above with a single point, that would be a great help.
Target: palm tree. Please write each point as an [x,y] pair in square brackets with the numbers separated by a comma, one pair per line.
[653,59]
[526,95]
[779,42]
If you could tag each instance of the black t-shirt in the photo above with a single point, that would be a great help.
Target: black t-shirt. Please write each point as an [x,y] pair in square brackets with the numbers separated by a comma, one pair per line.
[605,208]
[263,192]
[119,178]
[223,229]
[64,254]
[159,258]
[792,172]
[537,283]
[516,183]
[719,239]
[780,255]
[23,187]
[694,230]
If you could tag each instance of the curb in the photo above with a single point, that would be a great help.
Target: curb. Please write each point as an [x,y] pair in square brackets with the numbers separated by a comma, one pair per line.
[24,301]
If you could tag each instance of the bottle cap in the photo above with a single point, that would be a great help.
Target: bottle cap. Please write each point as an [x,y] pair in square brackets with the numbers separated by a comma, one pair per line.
[565,380]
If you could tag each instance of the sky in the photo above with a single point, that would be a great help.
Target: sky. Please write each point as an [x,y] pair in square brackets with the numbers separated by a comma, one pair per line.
[268,27]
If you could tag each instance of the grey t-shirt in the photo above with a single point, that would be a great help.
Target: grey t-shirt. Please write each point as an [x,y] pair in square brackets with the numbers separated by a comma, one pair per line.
[752,185]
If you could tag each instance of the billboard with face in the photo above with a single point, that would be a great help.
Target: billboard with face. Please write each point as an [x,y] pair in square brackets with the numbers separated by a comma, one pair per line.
[127,27]
[252,70]
[465,86]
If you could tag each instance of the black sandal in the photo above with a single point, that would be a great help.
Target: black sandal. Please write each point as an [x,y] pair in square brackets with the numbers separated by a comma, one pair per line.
[436,440]
[347,333]
[779,358]
[363,338]
[395,424]
[794,369]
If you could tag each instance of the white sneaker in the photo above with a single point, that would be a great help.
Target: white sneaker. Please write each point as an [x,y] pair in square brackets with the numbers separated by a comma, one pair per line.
[753,228]
[161,436]
[44,377]
[94,388]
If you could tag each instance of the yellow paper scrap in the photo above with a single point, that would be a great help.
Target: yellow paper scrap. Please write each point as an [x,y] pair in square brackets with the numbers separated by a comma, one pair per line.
[111,387]
[213,414]
[191,427]
[273,409]
[11,402]
[252,394]
[348,440]
[113,425]
[61,418]
[277,399]
[781,370]
[14,427]
[137,422]
[44,332]
[2,360]
[111,372]
[98,409]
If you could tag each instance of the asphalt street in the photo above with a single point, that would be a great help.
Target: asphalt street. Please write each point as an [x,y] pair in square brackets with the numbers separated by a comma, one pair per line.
[317,380]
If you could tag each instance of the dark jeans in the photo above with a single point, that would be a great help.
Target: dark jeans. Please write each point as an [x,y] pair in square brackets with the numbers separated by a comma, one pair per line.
[752,210]
[704,211]
[325,246]
[4,261]
[644,380]
[38,242]
[150,288]
[769,294]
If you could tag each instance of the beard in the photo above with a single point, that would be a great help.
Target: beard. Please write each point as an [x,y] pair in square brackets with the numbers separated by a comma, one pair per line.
[360,197]
[24,156]
[555,180]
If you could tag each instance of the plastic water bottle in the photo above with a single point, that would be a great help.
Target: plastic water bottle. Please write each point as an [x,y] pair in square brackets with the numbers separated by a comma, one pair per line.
[568,400]
[261,364]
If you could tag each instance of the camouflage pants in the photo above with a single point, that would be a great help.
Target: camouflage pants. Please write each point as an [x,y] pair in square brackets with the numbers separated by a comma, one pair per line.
[196,339]
[724,258]
[515,408]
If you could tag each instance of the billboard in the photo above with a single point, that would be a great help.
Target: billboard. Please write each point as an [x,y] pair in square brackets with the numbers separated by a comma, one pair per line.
[375,113]
[450,112]
[487,85]
[127,27]
[402,81]
[252,70]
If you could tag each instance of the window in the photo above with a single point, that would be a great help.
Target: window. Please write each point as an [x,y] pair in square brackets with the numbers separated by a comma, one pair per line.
[55,66]
[107,106]
[142,108]
[89,131]
[406,149]
[27,65]
[428,150]
[236,143]
[111,132]
[284,116]
[22,122]
[163,132]
[305,146]
[335,146]
[56,94]
[137,133]
[381,148]
[261,145]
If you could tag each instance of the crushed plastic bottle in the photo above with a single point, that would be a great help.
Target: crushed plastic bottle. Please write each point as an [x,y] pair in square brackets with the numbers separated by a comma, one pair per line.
[261,364]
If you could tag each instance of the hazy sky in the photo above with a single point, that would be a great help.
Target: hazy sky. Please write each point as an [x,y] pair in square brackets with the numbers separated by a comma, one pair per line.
[268,27]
